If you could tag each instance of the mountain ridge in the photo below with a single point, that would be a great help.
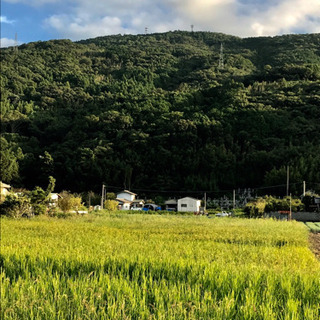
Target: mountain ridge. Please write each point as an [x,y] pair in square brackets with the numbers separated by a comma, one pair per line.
[156,111]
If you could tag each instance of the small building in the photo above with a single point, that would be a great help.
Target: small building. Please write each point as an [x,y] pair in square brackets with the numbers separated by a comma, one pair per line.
[124,204]
[4,190]
[171,205]
[127,195]
[137,204]
[53,200]
[189,204]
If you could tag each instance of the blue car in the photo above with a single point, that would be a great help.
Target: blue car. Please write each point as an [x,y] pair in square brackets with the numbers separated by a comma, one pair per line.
[151,206]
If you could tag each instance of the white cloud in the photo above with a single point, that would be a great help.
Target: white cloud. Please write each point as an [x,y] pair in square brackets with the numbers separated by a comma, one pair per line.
[83,27]
[288,16]
[81,19]
[4,19]
[243,18]
[5,42]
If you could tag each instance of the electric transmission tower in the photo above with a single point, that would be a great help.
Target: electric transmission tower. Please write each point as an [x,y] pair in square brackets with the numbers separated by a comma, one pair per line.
[146,30]
[15,48]
[192,27]
[221,58]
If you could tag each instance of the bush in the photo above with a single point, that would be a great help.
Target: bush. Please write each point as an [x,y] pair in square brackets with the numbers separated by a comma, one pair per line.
[255,207]
[16,206]
[111,205]
[69,202]
[269,204]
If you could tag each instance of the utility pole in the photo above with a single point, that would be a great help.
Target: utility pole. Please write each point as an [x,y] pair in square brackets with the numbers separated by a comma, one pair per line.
[288,172]
[290,214]
[234,199]
[304,189]
[102,196]
[205,202]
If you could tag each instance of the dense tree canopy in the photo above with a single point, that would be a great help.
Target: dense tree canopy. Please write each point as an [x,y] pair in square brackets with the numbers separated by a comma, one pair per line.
[156,112]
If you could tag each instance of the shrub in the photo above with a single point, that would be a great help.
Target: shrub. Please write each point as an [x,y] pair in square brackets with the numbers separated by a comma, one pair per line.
[111,205]
[69,202]
[255,207]
[16,206]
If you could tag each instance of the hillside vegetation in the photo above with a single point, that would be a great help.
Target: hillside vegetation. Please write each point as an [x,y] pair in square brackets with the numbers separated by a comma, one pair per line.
[156,112]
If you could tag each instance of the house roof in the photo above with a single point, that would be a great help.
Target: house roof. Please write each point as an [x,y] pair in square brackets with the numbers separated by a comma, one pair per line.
[171,201]
[123,200]
[4,185]
[127,191]
[189,198]
[55,195]
[138,200]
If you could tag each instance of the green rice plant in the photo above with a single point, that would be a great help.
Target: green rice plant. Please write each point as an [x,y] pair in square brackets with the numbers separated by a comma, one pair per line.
[313,226]
[120,266]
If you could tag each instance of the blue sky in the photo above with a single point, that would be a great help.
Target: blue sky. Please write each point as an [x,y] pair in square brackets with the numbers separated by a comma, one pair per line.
[35,20]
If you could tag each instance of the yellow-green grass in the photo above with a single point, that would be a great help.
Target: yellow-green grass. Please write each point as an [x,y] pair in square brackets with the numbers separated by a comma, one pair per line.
[123,266]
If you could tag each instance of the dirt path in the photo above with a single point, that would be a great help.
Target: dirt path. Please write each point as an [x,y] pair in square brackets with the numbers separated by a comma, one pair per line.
[314,239]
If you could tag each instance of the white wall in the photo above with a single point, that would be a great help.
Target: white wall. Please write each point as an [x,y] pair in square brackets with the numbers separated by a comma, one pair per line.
[126,196]
[126,206]
[189,205]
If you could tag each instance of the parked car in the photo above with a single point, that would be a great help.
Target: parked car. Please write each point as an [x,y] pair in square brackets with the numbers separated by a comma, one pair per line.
[223,214]
[151,206]
[136,208]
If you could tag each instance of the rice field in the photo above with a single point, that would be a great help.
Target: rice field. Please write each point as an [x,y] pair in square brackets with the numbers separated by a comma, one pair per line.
[313,226]
[121,266]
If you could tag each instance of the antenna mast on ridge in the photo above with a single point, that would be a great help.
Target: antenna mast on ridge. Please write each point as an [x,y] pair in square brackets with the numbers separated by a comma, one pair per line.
[192,27]
[15,49]
[221,59]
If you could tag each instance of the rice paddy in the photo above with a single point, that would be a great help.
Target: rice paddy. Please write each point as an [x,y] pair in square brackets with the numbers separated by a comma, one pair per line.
[121,266]
[313,226]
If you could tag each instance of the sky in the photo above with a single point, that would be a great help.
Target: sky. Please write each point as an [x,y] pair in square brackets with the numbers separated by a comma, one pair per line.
[34,20]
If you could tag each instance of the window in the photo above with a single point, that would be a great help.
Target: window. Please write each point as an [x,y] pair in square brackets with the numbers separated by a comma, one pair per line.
[183,205]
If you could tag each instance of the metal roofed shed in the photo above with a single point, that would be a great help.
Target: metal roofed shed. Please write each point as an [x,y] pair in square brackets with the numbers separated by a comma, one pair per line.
[189,204]
[171,204]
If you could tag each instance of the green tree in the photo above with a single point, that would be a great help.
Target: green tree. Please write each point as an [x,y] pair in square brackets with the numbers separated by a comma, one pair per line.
[16,206]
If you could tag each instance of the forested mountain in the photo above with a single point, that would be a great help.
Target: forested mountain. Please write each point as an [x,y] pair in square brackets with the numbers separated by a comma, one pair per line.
[157,112]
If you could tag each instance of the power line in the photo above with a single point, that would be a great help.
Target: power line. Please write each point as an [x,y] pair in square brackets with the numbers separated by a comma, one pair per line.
[207,191]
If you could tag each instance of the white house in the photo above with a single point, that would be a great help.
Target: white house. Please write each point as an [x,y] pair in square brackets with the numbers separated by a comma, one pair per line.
[4,190]
[137,204]
[124,204]
[188,204]
[125,199]
[127,195]
[53,200]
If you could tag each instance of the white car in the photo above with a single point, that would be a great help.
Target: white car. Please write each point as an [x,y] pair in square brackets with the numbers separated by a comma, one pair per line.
[223,214]
[136,208]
